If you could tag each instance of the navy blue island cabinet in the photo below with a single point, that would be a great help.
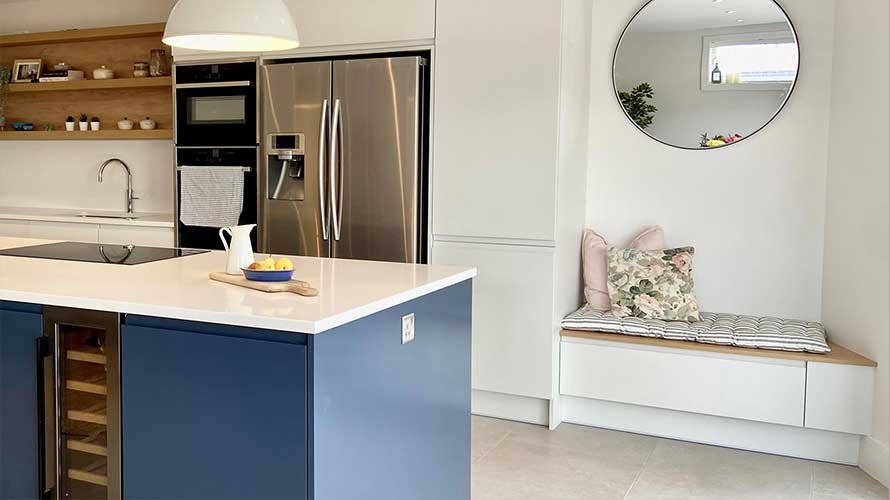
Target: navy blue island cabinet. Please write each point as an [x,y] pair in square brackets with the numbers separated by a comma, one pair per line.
[21,325]
[210,411]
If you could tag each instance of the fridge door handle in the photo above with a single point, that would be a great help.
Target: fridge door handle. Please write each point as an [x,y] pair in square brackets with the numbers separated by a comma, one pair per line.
[322,204]
[336,174]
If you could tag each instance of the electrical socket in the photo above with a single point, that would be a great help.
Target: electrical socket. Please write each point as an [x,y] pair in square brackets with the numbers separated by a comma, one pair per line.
[407,328]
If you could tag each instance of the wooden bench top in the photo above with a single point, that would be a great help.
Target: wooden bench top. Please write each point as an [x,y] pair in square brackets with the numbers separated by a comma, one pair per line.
[838,355]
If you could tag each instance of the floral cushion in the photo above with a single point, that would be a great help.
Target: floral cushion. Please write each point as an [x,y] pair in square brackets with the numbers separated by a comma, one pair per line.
[652,284]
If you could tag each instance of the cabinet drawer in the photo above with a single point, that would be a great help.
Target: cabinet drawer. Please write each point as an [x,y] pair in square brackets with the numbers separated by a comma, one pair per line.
[136,235]
[512,311]
[14,229]
[712,384]
[64,231]
[839,397]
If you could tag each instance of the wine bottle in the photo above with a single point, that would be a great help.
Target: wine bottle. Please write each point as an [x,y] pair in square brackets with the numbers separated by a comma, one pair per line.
[716,74]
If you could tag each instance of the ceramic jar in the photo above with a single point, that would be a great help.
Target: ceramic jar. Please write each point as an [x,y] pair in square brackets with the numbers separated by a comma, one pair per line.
[140,69]
[148,124]
[103,73]
[125,124]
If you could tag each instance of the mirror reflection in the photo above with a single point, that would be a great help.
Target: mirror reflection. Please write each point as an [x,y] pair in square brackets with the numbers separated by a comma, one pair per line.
[705,73]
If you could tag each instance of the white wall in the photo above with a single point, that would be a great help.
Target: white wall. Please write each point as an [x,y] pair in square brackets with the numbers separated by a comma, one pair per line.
[63,174]
[754,211]
[671,63]
[857,266]
[51,15]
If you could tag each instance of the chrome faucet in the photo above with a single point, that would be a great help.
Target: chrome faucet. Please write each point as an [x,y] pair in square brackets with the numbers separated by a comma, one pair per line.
[130,196]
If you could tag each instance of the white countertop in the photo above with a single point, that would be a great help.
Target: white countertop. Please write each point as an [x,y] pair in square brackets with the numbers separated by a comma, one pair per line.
[180,289]
[146,219]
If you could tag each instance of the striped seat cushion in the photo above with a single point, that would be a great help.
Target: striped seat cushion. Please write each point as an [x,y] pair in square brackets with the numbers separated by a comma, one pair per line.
[714,328]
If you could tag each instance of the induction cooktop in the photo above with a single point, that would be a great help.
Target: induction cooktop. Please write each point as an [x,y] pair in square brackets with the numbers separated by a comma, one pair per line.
[127,255]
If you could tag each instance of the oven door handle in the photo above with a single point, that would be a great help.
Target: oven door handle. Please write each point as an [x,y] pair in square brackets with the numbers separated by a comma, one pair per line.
[212,85]
[180,168]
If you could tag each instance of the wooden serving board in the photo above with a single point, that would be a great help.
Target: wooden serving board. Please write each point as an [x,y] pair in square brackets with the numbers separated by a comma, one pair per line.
[294,286]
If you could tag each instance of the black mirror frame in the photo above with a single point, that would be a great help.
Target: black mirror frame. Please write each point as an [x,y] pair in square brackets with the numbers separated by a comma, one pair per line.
[743,139]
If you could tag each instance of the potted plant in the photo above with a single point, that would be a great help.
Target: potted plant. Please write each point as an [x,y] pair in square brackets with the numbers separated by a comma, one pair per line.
[84,123]
[69,124]
[5,76]
[94,123]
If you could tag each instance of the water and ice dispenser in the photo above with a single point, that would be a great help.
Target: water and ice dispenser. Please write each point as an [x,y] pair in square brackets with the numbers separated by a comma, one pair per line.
[286,171]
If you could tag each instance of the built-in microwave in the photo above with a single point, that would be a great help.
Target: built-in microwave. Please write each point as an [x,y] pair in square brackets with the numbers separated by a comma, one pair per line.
[216,104]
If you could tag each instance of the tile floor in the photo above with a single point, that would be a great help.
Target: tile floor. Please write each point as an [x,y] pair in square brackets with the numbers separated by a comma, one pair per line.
[514,461]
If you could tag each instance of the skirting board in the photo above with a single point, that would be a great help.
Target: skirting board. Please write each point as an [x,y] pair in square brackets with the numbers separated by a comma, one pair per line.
[874,459]
[510,407]
[776,439]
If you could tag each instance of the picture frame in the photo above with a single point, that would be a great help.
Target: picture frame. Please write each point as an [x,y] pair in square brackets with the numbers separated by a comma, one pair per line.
[26,70]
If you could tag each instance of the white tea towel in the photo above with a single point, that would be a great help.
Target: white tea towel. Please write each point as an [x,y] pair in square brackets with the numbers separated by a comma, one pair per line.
[211,196]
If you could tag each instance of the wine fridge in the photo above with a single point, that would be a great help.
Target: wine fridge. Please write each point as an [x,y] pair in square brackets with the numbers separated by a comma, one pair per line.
[80,405]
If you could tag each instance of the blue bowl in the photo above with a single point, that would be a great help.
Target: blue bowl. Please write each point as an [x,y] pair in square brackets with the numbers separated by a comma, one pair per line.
[256,275]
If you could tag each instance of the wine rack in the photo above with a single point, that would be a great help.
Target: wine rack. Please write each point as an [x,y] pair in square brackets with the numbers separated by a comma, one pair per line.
[86,407]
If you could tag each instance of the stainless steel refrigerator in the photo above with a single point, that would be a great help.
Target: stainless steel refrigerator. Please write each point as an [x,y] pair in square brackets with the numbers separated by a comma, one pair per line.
[344,160]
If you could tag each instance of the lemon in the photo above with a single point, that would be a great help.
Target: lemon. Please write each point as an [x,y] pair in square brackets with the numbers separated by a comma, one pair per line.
[283,264]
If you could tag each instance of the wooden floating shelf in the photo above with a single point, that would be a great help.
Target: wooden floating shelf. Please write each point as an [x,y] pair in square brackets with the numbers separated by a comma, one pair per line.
[116,83]
[99,135]
[83,35]
[87,357]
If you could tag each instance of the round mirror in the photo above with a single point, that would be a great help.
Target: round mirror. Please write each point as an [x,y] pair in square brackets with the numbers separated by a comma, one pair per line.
[703,74]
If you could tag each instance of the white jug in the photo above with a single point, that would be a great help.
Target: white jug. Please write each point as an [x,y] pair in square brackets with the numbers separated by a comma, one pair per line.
[241,250]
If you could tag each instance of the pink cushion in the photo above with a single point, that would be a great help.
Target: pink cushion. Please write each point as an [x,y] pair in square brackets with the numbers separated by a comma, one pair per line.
[594,259]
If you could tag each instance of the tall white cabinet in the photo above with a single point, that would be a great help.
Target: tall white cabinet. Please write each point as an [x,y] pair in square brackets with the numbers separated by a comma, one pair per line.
[509,166]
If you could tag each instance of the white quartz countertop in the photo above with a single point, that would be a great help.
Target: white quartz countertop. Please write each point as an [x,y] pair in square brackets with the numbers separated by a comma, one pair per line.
[145,219]
[180,289]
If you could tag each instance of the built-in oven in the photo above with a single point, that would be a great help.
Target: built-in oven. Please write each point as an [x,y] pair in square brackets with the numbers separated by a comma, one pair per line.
[210,167]
[216,104]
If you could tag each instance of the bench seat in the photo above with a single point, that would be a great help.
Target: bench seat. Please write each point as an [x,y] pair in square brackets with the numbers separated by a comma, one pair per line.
[792,403]
[759,332]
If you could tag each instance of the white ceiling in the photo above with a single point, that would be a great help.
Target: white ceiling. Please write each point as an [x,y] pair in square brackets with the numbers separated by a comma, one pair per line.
[692,15]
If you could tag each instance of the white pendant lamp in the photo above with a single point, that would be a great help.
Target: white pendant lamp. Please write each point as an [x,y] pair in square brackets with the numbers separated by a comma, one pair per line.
[231,26]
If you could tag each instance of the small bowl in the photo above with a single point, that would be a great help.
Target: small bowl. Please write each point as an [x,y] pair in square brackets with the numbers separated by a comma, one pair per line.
[270,275]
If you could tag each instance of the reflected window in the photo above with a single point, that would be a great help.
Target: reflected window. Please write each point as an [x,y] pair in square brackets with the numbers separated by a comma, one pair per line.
[754,61]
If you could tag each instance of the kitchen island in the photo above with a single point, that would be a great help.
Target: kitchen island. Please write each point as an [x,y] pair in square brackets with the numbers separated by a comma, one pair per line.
[225,392]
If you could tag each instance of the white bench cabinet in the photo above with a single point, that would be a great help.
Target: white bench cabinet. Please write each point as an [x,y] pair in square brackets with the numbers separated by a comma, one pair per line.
[814,406]
[766,390]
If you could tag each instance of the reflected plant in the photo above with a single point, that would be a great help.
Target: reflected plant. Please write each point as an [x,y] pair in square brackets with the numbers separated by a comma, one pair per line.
[636,104]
